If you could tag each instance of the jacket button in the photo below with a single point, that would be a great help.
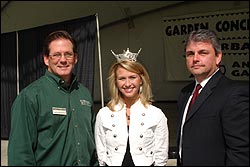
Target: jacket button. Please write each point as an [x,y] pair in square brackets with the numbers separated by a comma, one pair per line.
[140,148]
[107,153]
[112,115]
[141,136]
[116,148]
[114,135]
[113,125]
[151,152]
[143,114]
[142,124]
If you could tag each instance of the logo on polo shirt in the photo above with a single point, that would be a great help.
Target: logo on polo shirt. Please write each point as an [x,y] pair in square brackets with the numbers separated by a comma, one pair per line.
[85,103]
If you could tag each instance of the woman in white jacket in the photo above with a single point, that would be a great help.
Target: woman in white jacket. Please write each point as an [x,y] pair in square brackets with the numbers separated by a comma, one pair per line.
[130,131]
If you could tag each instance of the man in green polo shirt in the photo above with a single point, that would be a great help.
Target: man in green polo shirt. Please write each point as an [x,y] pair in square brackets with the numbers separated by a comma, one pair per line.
[51,119]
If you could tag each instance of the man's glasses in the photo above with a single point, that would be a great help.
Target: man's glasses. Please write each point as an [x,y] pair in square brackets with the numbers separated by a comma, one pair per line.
[67,55]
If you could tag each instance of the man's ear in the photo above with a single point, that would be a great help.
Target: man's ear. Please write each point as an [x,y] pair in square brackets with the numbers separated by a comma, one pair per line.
[76,58]
[46,60]
[218,59]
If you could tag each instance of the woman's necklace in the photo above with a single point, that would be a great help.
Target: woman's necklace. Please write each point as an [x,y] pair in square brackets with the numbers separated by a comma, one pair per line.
[128,115]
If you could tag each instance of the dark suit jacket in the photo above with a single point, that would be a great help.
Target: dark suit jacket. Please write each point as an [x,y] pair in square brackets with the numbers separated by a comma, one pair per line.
[216,131]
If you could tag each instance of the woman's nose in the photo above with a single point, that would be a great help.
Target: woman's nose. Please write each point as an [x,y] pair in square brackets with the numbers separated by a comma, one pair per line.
[127,82]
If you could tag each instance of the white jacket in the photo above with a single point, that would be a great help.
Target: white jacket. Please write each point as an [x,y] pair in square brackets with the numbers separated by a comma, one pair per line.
[148,135]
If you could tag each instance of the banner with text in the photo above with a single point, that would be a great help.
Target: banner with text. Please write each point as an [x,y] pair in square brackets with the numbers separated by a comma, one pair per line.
[232,28]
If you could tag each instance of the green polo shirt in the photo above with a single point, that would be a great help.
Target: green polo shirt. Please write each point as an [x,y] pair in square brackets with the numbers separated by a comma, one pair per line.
[52,125]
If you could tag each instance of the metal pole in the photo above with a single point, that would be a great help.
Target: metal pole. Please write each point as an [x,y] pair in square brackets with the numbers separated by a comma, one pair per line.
[17,64]
[100,60]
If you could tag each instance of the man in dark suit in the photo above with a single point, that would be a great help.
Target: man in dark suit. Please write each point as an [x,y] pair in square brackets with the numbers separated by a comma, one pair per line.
[215,130]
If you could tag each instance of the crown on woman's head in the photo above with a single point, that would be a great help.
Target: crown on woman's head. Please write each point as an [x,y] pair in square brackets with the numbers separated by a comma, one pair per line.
[126,55]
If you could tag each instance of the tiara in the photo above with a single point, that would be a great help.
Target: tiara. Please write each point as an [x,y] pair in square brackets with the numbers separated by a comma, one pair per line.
[126,55]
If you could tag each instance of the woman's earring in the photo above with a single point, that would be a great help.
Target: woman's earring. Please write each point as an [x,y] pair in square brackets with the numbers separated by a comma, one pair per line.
[140,91]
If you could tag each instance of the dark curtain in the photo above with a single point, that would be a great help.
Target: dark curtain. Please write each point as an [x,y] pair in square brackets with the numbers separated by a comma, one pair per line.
[31,65]
[8,79]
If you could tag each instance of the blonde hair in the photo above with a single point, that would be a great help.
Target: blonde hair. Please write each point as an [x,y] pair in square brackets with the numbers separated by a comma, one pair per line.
[135,67]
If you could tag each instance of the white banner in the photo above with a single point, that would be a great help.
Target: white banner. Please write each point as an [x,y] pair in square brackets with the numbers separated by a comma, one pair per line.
[232,28]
